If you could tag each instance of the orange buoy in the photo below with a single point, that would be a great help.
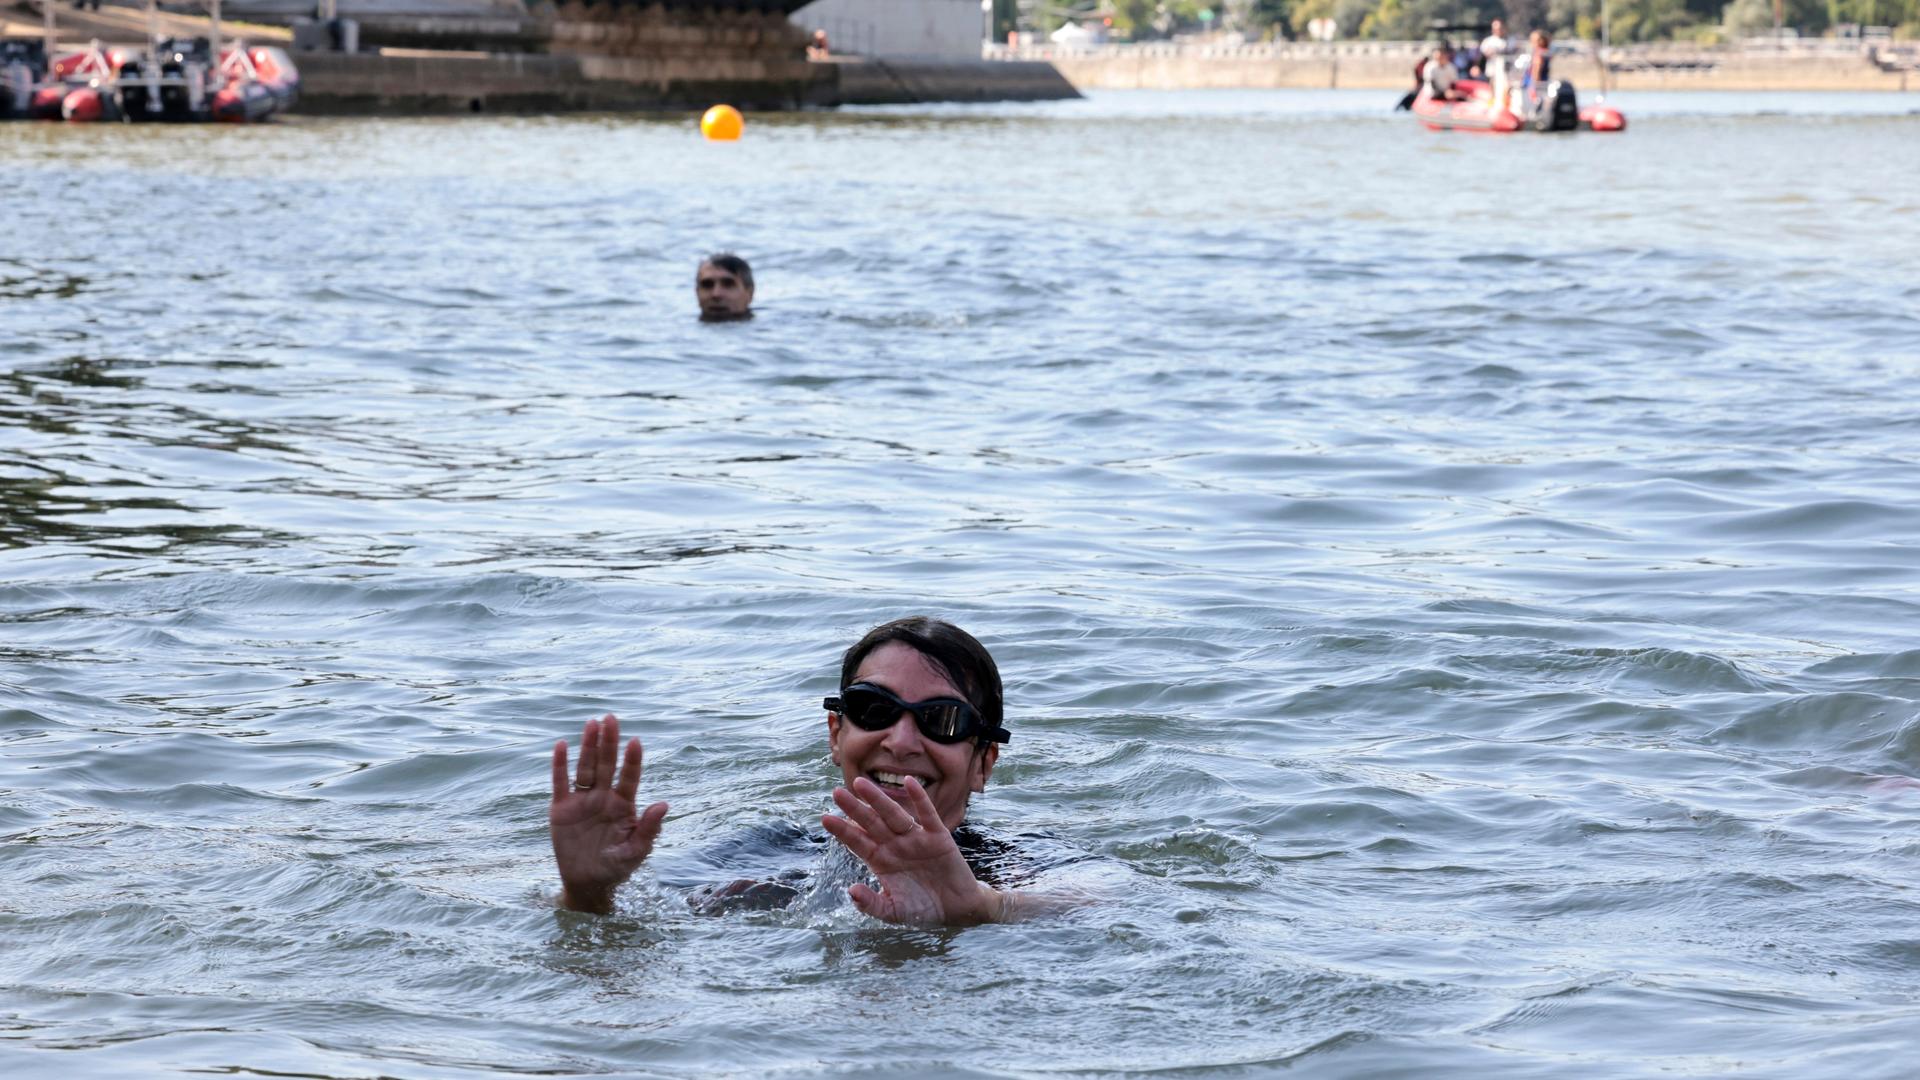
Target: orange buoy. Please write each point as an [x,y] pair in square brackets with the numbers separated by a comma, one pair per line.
[723,123]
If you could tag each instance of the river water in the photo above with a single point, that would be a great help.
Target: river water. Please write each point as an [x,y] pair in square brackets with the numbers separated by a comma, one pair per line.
[1458,594]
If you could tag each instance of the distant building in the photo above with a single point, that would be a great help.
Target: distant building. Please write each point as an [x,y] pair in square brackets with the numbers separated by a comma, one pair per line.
[925,29]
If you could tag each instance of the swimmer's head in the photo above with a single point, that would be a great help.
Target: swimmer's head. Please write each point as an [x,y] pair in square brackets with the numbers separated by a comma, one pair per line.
[916,660]
[724,287]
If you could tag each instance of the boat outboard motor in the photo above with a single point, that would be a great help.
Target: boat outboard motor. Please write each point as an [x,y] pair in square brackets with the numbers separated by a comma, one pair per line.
[175,88]
[23,63]
[1558,110]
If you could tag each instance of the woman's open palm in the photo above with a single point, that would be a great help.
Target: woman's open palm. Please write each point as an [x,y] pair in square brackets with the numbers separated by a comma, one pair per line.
[923,877]
[598,838]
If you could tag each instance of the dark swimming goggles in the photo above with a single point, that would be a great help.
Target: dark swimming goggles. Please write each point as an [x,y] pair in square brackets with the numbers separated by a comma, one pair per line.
[944,720]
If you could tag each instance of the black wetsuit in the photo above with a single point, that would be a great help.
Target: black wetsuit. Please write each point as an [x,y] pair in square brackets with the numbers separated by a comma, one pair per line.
[769,865]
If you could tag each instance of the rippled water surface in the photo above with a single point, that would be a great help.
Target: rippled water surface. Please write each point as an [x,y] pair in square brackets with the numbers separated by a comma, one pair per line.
[1460,593]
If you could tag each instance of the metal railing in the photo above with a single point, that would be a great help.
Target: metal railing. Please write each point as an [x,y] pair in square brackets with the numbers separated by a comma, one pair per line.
[1659,54]
[1257,50]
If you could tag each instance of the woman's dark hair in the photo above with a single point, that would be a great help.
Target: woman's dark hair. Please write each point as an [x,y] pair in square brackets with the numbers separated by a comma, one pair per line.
[952,651]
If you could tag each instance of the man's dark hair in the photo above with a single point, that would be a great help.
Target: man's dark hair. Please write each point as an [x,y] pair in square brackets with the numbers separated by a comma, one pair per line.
[733,264]
[952,651]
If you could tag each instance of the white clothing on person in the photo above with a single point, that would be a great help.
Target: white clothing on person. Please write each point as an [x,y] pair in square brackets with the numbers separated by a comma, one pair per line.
[1495,64]
[1440,77]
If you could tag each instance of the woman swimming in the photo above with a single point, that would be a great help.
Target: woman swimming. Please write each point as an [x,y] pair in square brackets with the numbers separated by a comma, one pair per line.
[915,730]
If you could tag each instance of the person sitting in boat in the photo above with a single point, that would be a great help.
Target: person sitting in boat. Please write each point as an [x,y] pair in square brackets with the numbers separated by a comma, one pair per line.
[1466,61]
[1441,74]
[724,287]
[915,730]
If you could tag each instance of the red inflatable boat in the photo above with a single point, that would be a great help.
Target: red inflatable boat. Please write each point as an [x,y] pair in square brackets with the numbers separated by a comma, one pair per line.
[170,80]
[178,80]
[1555,108]
[80,86]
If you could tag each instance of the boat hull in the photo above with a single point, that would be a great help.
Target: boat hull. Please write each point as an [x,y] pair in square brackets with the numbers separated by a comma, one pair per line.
[1475,111]
[1555,109]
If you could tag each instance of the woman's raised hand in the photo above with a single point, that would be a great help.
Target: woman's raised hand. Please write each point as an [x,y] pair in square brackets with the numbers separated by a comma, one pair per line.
[923,877]
[598,839]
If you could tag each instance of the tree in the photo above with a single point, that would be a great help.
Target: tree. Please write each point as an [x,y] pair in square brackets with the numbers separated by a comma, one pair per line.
[1133,18]
[1265,15]
[1743,18]
[1874,12]
[1525,15]
[1006,16]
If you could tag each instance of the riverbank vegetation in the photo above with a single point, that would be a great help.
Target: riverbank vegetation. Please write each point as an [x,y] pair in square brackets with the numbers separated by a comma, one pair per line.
[1700,21]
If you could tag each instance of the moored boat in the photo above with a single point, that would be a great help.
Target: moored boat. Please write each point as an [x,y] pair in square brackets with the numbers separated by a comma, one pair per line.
[168,80]
[257,83]
[81,85]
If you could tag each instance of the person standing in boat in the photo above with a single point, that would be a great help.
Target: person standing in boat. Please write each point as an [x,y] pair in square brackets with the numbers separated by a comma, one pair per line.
[915,730]
[1539,65]
[1493,62]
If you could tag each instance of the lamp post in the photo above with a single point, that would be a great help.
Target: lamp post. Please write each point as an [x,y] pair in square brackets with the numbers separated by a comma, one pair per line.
[1606,41]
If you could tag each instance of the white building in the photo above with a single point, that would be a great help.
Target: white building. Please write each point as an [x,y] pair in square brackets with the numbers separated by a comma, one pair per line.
[925,29]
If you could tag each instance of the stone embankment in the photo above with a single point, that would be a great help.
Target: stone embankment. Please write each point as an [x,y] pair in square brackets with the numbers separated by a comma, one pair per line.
[441,56]
[1389,65]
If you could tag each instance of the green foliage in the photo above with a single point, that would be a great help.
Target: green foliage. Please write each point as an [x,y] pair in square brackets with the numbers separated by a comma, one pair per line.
[1133,18]
[1145,20]
[1347,14]
[1574,15]
[1351,15]
[1410,20]
[1648,20]
[1744,18]
[1633,20]
[1263,15]
[1401,20]
[1704,21]
[1305,11]
[1006,16]
[1874,12]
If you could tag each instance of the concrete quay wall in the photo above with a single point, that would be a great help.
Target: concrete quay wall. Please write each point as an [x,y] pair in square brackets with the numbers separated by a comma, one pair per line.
[366,84]
[1392,69]
[1761,73]
[662,47]
[876,81]
[627,56]
[1149,71]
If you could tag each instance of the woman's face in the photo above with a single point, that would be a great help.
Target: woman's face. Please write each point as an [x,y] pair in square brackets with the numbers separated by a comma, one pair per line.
[950,773]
